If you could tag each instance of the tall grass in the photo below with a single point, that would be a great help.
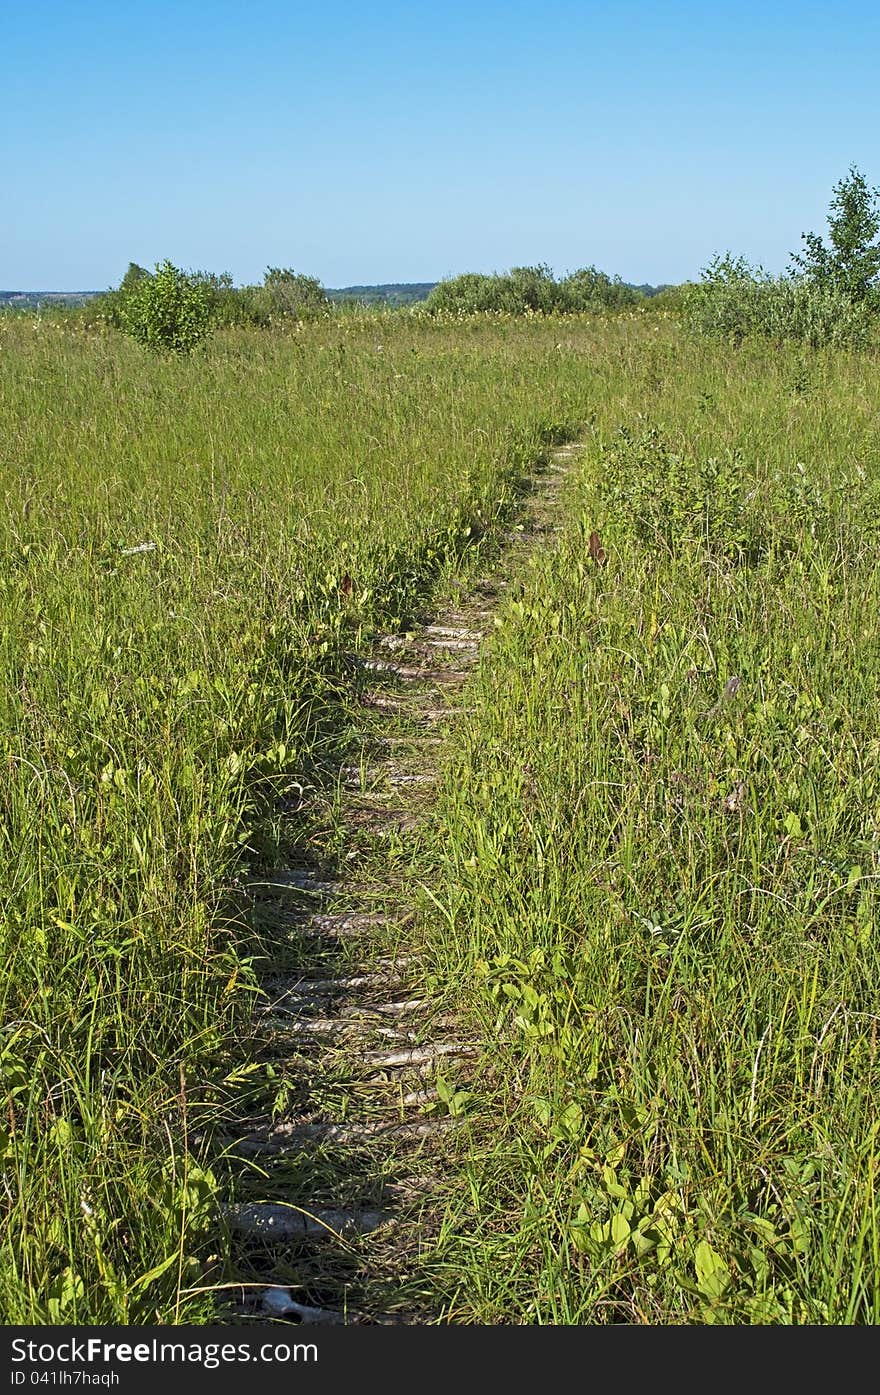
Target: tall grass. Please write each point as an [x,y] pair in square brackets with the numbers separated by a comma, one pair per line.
[657,884]
[188,548]
[656,869]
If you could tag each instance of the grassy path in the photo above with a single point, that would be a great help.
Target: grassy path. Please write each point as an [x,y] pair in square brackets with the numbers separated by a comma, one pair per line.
[336,1174]
[188,551]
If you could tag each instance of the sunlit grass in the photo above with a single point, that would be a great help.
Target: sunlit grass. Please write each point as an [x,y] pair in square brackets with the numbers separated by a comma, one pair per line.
[657,867]
[654,889]
[188,548]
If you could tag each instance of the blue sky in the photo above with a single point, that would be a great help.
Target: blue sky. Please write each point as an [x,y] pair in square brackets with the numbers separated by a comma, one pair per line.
[403,142]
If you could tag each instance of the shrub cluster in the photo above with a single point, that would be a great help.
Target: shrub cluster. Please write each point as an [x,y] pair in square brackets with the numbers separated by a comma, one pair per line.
[734,299]
[830,295]
[172,311]
[531,290]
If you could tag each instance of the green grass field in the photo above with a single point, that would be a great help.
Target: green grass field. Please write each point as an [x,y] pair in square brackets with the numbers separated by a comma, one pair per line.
[652,887]
[659,873]
[174,613]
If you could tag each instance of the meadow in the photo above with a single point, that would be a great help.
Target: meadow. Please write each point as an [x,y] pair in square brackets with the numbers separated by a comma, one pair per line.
[649,884]
[657,862]
[190,548]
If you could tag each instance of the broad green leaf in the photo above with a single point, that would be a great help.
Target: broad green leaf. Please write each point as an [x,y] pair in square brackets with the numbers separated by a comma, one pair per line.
[713,1276]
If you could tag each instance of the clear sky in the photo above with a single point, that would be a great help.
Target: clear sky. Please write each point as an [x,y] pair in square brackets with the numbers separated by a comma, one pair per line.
[409,141]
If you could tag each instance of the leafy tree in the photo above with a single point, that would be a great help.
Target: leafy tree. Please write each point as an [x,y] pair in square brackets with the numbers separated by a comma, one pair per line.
[167,311]
[851,264]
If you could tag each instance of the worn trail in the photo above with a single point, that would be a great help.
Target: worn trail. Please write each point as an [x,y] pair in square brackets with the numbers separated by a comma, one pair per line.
[335,1183]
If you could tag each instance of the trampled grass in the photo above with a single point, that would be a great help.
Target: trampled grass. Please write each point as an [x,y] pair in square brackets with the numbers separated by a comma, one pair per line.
[657,866]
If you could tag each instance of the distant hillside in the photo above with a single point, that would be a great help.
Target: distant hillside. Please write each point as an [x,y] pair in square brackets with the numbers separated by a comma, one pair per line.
[391,293]
[30,300]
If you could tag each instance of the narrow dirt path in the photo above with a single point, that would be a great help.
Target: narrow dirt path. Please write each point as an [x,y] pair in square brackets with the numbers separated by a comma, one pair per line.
[334,1181]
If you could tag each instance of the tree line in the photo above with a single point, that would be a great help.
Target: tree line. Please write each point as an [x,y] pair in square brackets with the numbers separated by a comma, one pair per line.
[830,293]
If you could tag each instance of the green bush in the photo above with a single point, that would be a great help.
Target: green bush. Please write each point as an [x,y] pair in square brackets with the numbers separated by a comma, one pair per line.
[668,300]
[287,294]
[734,299]
[172,310]
[531,290]
[167,311]
[819,313]
[829,297]
[228,305]
[589,289]
[107,308]
[475,293]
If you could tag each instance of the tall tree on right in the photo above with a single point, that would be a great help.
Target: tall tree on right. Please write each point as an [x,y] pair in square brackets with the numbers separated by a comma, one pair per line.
[851,264]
